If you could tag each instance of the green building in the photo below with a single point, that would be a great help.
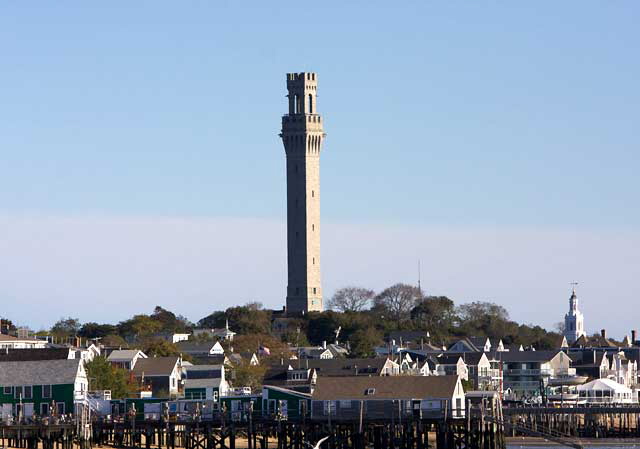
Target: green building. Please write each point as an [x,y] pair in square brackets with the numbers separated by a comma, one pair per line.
[287,403]
[35,387]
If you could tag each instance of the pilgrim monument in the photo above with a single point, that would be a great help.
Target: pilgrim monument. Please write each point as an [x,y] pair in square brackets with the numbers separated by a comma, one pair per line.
[302,136]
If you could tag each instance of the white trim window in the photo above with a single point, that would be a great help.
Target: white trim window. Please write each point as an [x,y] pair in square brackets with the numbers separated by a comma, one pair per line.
[17,392]
[8,391]
[28,392]
[46,391]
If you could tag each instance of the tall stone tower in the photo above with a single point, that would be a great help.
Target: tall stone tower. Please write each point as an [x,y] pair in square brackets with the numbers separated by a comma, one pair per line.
[573,320]
[302,136]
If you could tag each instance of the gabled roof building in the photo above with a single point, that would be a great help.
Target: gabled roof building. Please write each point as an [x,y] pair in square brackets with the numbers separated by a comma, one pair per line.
[384,397]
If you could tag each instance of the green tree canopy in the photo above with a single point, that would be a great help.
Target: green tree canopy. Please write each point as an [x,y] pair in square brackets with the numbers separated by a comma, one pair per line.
[247,319]
[104,376]
[95,330]
[65,327]
[363,342]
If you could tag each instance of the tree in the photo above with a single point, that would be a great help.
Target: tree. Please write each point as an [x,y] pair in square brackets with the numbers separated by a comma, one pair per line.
[477,310]
[95,330]
[169,322]
[158,347]
[104,376]
[212,321]
[66,327]
[484,318]
[321,326]
[398,300]
[114,340]
[364,341]
[247,375]
[139,326]
[6,326]
[435,314]
[351,299]
[247,319]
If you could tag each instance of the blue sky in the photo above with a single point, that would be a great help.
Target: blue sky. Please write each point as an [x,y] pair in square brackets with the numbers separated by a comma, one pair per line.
[512,119]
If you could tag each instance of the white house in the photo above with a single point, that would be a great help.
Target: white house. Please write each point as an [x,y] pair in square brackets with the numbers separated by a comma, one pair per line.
[623,370]
[223,333]
[125,358]
[11,342]
[161,374]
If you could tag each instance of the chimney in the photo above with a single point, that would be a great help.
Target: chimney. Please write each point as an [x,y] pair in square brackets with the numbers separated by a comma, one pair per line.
[603,332]
[634,334]
[324,344]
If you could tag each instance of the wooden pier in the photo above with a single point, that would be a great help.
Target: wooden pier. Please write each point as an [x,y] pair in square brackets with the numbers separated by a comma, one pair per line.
[480,428]
[260,433]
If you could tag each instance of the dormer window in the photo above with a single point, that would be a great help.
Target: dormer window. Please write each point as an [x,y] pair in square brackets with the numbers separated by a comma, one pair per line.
[370,392]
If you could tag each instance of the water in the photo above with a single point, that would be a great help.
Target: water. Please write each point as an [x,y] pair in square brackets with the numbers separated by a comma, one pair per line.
[587,446]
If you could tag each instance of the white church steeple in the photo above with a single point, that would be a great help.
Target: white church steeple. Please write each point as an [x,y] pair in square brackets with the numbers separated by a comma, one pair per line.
[573,320]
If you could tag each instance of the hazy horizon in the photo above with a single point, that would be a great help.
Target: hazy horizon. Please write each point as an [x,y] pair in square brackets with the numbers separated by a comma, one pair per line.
[140,162]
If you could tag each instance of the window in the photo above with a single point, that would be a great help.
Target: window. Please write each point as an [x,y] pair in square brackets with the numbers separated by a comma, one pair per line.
[314,290]
[312,194]
[44,409]
[329,407]
[17,392]
[313,260]
[313,227]
[28,392]
[370,392]
[60,407]
[8,390]
[46,391]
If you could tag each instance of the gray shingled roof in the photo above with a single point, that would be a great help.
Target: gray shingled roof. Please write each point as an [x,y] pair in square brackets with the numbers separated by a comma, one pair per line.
[39,372]
[387,387]
[122,355]
[202,383]
[155,366]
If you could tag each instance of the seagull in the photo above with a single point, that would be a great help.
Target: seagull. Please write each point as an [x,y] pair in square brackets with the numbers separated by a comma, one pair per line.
[320,441]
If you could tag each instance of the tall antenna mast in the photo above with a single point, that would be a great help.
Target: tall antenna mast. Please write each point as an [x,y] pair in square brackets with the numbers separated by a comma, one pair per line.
[419,286]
